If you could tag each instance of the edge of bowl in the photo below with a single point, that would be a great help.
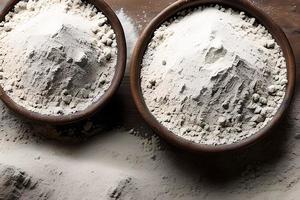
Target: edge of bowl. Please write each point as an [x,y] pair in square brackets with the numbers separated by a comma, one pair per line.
[178,141]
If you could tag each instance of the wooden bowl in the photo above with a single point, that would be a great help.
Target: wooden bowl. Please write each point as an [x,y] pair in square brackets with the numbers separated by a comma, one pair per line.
[141,47]
[119,74]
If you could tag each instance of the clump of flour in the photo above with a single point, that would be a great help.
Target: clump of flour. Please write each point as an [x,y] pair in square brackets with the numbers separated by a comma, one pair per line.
[213,75]
[57,56]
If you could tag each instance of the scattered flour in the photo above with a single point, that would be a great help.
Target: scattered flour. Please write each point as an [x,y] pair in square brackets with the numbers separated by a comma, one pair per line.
[126,165]
[57,56]
[213,75]
[131,32]
[14,183]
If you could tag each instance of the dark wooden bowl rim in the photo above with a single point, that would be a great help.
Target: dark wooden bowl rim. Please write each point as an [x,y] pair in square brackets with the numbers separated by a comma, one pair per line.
[178,141]
[98,105]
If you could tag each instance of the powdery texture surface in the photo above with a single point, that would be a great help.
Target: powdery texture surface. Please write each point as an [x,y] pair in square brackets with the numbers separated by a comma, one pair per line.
[57,57]
[136,165]
[213,75]
[16,184]
[131,32]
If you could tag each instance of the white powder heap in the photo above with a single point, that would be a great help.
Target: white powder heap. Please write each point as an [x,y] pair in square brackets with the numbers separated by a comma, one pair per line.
[57,56]
[213,75]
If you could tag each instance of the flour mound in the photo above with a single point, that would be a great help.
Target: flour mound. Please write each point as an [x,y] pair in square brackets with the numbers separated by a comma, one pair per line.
[213,75]
[16,184]
[58,56]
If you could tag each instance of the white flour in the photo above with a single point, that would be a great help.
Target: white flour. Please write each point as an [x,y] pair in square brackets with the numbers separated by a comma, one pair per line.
[57,57]
[213,76]
[130,30]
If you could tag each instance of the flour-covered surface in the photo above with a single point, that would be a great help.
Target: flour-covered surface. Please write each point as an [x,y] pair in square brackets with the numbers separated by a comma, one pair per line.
[126,164]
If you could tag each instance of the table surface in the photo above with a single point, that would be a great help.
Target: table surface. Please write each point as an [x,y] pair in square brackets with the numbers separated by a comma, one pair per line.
[283,142]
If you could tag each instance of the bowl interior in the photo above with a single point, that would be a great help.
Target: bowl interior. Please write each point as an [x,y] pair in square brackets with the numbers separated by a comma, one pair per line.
[141,47]
[118,76]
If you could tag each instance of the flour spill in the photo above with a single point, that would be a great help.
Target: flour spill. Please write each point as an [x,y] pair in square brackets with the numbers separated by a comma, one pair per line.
[130,29]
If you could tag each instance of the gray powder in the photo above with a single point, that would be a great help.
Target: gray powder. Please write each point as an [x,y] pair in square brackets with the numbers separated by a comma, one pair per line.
[213,76]
[58,57]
